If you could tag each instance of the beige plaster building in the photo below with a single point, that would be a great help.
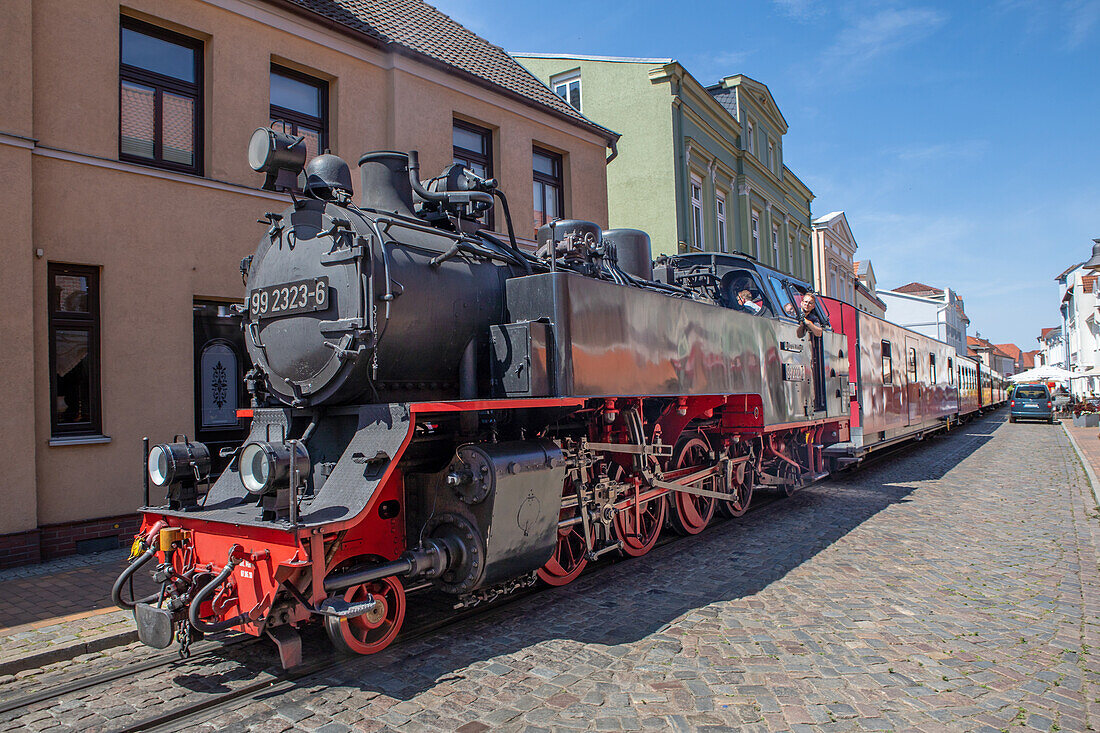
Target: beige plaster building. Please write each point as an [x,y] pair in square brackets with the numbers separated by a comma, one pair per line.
[123,132]
[867,299]
[834,249]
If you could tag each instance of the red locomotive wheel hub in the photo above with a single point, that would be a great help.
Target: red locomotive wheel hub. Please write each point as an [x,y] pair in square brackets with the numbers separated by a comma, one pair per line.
[691,514]
[373,631]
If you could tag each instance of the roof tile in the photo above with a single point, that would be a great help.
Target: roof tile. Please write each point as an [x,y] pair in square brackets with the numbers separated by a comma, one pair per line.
[418,26]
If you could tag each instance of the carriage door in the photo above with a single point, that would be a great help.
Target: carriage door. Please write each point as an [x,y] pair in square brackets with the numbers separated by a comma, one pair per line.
[912,380]
[220,364]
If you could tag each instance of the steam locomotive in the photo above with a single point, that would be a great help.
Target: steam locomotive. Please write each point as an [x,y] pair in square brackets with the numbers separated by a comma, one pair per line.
[435,406]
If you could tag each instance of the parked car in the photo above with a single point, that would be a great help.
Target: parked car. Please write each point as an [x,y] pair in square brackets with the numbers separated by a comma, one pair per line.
[1031,402]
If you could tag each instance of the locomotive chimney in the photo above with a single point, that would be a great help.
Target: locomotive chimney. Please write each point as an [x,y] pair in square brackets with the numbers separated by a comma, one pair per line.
[385,182]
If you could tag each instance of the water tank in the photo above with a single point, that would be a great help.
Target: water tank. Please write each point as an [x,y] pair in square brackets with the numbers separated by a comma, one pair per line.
[632,250]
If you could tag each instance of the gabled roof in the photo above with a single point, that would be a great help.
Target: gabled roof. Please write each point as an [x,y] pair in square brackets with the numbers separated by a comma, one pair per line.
[918,289]
[760,93]
[1070,269]
[417,29]
[1027,359]
[1010,350]
[1048,331]
[837,223]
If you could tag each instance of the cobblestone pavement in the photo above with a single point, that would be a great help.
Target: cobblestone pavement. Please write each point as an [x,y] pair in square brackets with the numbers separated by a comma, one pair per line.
[950,587]
[63,606]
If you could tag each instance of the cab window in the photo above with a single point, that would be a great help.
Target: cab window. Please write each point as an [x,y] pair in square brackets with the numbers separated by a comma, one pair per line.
[783,299]
[740,290]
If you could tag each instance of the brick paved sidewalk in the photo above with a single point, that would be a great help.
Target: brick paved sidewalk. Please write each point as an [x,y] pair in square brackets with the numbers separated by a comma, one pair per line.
[61,609]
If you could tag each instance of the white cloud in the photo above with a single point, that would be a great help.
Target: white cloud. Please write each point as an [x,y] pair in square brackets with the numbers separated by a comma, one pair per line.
[877,34]
[800,9]
[917,153]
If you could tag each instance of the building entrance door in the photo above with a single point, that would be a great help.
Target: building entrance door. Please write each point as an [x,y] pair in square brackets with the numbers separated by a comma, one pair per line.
[220,365]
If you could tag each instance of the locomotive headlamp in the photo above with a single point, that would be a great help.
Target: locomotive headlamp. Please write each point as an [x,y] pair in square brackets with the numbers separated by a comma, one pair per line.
[265,466]
[271,151]
[171,463]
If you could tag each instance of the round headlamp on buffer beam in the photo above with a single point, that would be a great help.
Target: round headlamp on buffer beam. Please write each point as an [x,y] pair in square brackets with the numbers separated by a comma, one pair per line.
[273,473]
[179,467]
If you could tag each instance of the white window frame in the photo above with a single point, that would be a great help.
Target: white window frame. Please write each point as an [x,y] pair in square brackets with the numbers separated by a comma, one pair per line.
[771,154]
[775,245]
[720,218]
[756,235]
[563,82]
[752,137]
[790,255]
[697,212]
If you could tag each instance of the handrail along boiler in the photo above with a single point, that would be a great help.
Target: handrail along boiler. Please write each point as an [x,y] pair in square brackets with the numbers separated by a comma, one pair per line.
[435,406]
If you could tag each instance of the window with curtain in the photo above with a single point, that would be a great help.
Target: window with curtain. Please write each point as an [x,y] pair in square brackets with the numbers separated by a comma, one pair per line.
[74,350]
[546,168]
[299,105]
[160,98]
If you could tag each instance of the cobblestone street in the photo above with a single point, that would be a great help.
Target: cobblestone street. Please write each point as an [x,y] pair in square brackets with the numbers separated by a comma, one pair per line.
[953,586]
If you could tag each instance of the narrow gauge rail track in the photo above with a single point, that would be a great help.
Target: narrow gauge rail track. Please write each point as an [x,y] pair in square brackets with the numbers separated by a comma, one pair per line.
[187,715]
[165,659]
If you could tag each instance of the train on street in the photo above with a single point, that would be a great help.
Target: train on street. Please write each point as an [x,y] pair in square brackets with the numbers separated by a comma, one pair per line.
[435,406]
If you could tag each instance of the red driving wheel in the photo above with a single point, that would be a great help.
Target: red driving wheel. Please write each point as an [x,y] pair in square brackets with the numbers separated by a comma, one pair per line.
[638,525]
[740,487]
[570,553]
[691,514]
[375,630]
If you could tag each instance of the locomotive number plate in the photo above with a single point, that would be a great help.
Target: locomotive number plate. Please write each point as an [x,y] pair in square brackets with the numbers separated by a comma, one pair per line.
[300,296]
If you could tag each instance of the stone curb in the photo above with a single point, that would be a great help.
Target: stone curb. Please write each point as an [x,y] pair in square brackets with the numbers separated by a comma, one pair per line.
[1093,482]
[65,652]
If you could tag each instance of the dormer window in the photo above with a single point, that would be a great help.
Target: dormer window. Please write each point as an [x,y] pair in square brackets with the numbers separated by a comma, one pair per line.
[568,87]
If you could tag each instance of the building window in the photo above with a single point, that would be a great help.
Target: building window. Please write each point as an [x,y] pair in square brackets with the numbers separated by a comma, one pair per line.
[74,350]
[887,363]
[771,155]
[569,88]
[473,148]
[790,257]
[299,104]
[756,235]
[548,187]
[160,98]
[751,135]
[697,213]
[720,213]
[775,245]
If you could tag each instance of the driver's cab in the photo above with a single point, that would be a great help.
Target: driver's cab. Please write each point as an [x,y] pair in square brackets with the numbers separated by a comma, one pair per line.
[741,284]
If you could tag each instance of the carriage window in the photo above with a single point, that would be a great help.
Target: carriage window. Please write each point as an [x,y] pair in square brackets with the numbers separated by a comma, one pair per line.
[950,370]
[931,368]
[887,364]
[912,362]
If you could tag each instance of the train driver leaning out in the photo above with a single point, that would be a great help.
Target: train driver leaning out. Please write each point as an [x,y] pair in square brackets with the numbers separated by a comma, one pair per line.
[809,320]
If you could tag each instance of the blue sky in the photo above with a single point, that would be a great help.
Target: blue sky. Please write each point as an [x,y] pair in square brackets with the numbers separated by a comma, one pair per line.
[961,139]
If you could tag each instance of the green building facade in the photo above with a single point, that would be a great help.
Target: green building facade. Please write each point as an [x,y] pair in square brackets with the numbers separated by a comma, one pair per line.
[698,168]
